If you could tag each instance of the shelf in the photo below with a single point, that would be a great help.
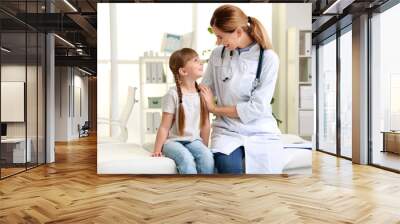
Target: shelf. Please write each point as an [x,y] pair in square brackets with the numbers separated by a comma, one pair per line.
[158,84]
[147,133]
[306,109]
[152,109]
[155,83]
[306,137]
[305,56]
[305,83]
[154,58]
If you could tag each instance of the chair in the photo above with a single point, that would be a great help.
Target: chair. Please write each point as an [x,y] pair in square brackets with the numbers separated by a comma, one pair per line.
[84,130]
[122,121]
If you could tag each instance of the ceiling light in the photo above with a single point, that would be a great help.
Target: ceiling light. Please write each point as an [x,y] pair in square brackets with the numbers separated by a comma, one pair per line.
[5,50]
[70,5]
[338,6]
[86,72]
[64,40]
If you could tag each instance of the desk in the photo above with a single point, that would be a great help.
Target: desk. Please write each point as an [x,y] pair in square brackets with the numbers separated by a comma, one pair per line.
[391,141]
[15,148]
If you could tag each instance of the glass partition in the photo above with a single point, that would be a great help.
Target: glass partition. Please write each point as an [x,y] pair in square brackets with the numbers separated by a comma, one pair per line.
[22,77]
[14,154]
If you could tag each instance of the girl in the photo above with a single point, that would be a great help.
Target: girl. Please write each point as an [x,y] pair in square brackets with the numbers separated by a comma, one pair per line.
[242,74]
[185,127]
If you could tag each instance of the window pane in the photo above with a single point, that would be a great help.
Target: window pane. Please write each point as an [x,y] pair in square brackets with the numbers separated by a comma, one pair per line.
[327,97]
[346,93]
[386,89]
[134,37]
[32,97]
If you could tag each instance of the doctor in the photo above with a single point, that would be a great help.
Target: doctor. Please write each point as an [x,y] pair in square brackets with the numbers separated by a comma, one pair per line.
[242,75]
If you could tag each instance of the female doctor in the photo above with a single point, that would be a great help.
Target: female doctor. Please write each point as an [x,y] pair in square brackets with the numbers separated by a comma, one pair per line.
[242,75]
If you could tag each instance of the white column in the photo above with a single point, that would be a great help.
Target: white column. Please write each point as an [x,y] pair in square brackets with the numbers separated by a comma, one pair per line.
[114,98]
[50,99]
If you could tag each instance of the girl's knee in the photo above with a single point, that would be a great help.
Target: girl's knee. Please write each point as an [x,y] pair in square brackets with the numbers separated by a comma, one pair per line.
[206,163]
[186,165]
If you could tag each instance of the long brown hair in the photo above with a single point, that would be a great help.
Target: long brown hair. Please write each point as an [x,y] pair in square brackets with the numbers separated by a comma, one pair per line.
[228,18]
[178,60]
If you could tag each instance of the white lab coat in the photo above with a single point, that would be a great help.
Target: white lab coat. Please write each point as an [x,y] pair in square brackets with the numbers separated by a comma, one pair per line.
[256,129]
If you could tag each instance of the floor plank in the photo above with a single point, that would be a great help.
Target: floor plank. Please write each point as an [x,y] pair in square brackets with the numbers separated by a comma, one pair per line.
[70,191]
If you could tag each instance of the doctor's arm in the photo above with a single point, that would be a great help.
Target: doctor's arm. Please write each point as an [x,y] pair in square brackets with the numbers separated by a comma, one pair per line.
[229,111]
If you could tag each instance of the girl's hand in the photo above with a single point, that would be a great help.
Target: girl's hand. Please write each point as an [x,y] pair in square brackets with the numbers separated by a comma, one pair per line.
[157,153]
[208,97]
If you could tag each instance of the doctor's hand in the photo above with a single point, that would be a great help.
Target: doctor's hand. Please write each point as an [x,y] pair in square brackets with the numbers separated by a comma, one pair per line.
[208,97]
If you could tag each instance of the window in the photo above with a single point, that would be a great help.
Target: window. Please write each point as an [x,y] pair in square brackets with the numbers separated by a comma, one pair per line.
[385,88]
[346,93]
[327,96]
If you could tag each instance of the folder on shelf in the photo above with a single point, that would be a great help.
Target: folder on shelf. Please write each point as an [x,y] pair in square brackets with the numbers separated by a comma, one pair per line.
[156,120]
[149,122]
[154,72]
[148,72]
[307,44]
[160,73]
[306,123]
[306,97]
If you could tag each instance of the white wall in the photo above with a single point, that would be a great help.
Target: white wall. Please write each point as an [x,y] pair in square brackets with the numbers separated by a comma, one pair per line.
[68,80]
[299,15]
[285,16]
[33,126]
[61,103]
[17,73]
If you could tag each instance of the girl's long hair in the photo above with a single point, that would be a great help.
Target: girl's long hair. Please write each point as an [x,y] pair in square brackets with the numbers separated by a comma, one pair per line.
[228,18]
[178,60]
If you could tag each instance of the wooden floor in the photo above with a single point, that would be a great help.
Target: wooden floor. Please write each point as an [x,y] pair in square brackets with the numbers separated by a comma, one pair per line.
[70,191]
[10,171]
[387,159]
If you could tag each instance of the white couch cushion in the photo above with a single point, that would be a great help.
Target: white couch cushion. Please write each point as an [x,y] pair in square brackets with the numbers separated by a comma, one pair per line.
[123,158]
[131,159]
[298,158]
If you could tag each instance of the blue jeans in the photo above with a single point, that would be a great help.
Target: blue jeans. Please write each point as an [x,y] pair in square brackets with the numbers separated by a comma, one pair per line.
[190,157]
[232,163]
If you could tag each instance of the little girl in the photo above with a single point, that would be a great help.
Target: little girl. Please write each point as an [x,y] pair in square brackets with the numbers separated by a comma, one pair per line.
[184,130]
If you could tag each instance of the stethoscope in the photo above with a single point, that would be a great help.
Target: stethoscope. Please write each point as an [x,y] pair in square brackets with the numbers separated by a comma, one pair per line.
[256,81]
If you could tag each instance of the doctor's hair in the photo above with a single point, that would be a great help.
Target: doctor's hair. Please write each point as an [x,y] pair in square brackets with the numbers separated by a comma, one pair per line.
[228,18]
[178,60]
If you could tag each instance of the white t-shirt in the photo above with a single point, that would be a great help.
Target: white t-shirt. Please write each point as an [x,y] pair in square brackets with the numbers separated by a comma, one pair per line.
[191,106]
